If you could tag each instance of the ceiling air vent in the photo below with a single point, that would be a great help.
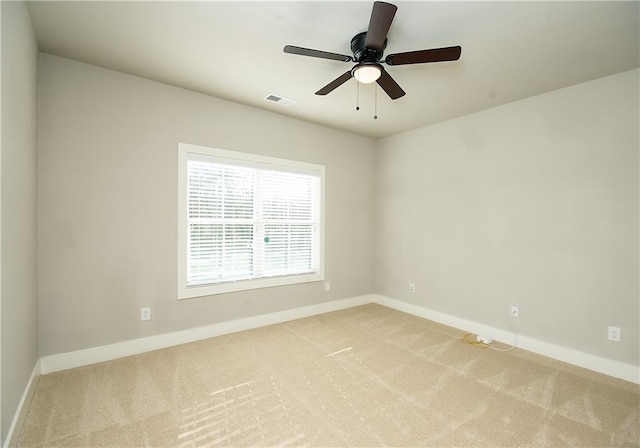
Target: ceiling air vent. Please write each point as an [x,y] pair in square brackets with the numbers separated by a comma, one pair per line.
[279,100]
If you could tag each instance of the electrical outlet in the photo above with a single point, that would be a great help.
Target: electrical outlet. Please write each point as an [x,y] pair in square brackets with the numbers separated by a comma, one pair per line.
[614,334]
[514,311]
[327,286]
[412,287]
[145,313]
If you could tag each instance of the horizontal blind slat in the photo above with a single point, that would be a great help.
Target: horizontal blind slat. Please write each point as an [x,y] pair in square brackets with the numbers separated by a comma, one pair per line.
[227,207]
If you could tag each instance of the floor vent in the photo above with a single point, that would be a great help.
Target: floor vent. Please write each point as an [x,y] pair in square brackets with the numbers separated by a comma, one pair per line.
[279,100]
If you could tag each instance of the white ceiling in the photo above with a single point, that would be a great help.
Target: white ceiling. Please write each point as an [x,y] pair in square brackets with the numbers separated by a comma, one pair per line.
[233,50]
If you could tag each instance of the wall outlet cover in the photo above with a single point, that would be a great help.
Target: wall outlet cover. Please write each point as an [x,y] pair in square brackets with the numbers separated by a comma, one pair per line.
[145,313]
[614,334]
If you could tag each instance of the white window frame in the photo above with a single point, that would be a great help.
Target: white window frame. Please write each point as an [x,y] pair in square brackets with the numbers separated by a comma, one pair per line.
[187,151]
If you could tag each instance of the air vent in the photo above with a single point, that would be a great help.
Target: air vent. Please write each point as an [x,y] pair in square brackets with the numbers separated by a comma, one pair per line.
[279,100]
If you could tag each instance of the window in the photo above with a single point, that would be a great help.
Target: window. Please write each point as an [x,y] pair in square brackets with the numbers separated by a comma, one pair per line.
[247,221]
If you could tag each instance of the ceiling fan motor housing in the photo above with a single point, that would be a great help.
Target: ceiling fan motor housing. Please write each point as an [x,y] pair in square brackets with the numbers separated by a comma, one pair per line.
[362,54]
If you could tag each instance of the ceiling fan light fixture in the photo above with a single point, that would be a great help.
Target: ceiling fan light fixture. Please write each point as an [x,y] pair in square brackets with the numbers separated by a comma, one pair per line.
[367,73]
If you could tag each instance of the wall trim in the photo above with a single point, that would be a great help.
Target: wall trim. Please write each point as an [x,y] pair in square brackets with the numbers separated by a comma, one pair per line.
[70,360]
[79,358]
[610,367]
[21,411]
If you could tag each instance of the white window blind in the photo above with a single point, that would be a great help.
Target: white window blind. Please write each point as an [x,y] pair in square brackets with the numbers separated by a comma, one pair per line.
[251,221]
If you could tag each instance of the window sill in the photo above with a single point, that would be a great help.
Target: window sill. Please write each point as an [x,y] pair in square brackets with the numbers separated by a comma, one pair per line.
[188,292]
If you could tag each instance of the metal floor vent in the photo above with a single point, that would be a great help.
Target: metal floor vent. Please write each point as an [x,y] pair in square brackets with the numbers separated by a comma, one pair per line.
[279,100]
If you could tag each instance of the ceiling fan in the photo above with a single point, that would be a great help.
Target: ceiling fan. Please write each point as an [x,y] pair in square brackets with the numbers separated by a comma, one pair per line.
[368,48]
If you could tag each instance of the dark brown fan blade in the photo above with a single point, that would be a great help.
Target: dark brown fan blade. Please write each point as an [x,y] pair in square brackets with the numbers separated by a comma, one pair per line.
[316,53]
[389,85]
[379,24]
[422,56]
[335,83]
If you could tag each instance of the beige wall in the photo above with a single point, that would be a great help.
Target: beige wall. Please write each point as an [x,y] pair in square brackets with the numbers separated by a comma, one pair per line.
[534,204]
[18,293]
[107,223]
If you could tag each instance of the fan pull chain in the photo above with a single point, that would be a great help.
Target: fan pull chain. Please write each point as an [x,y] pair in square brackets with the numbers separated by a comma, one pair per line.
[375,111]
[357,96]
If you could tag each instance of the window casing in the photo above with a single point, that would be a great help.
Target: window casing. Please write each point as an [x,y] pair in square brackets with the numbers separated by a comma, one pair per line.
[247,221]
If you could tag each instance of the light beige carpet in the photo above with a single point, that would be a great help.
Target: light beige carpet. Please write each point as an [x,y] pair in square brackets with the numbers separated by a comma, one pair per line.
[367,376]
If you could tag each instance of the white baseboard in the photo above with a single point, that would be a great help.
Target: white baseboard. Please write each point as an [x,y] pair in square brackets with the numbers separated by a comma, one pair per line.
[26,397]
[70,360]
[617,369]
[54,363]
[63,361]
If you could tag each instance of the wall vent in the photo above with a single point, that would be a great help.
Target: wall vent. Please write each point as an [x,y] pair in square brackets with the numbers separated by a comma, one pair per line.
[279,100]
